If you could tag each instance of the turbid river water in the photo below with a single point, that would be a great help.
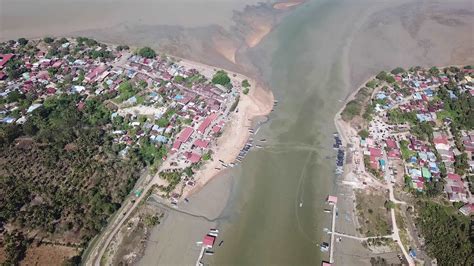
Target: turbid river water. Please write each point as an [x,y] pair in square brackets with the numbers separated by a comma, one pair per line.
[311,60]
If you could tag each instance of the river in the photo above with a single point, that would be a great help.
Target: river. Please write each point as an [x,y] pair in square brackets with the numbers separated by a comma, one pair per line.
[312,60]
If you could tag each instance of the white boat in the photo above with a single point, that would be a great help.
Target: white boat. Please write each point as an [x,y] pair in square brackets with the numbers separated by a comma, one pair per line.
[301,204]
[214,231]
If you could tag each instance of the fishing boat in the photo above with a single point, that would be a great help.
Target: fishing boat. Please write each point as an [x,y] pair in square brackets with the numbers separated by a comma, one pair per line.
[324,247]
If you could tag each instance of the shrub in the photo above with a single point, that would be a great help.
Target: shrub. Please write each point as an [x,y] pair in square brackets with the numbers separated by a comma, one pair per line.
[147,52]
[221,78]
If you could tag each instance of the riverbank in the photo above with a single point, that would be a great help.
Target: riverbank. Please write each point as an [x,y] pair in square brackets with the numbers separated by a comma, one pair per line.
[258,102]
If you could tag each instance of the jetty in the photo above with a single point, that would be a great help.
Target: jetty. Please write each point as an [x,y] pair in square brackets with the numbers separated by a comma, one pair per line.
[333,201]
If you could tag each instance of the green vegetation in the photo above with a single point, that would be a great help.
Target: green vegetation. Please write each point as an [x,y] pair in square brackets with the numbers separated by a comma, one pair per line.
[405,151]
[372,84]
[245,91]
[422,130]
[363,133]
[397,71]
[63,174]
[207,156]
[147,52]
[15,245]
[460,109]
[461,164]
[396,116]
[221,77]
[447,234]
[48,40]
[89,42]
[245,83]
[151,220]
[354,107]
[173,177]
[22,41]
[126,90]
[385,77]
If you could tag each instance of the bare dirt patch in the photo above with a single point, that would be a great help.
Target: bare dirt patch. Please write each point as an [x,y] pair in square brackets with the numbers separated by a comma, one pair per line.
[48,255]
[374,218]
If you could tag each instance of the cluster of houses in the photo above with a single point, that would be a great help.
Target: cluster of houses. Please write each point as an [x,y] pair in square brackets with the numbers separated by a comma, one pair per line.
[173,106]
[423,160]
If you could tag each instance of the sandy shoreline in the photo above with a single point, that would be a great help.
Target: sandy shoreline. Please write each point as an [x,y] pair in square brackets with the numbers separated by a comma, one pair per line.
[257,103]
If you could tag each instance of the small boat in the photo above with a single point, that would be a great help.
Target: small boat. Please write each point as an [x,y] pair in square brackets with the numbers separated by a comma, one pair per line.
[327,210]
[259,146]
[263,140]
[220,243]
[324,247]
[213,230]
[186,199]
[301,204]
[221,161]
[210,253]
[213,234]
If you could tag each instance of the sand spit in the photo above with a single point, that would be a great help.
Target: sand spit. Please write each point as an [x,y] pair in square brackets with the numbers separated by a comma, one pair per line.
[259,102]
[287,5]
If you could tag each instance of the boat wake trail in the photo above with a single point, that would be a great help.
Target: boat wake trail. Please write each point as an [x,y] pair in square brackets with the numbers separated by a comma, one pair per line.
[299,200]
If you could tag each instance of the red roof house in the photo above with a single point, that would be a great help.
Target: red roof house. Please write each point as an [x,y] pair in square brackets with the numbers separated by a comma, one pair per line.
[4,58]
[202,128]
[375,152]
[185,134]
[208,241]
[176,145]
[201,143]
[454,177]
[332,199]
[391,143]
[193,157]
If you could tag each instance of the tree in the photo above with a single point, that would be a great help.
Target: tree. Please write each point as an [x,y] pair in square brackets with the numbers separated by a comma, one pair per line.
[363,133]
[446,233]
[397,71]
[22,41]
[245,91]
[48,40]
[147,52]
[15,247]
[245,83]
[221,78]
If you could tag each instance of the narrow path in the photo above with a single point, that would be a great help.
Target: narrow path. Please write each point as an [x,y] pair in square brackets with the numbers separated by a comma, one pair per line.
[359,238]
[165,206]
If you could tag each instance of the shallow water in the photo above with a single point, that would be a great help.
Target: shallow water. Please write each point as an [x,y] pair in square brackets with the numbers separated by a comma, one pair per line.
[315,57]
[63,17]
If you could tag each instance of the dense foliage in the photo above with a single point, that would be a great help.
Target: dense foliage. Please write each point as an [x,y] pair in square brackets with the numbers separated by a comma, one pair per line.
[147,52]
[59,171]
[447,234]
[221,78]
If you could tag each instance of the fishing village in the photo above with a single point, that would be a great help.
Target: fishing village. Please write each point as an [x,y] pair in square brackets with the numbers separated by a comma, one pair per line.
[409,133]
[157,107]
